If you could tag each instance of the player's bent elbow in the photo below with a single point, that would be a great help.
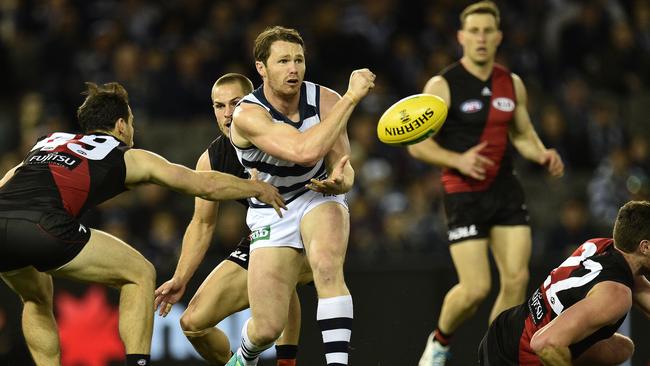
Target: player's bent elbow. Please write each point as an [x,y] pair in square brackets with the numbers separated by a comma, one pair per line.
[541,342]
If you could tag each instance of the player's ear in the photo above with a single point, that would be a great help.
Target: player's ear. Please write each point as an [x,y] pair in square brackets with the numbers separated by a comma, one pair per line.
[499,37]
[644,247]
[459,37]
[261,68]
[120,125]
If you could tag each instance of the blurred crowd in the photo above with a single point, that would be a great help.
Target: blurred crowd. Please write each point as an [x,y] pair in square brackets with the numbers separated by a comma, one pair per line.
[585,64]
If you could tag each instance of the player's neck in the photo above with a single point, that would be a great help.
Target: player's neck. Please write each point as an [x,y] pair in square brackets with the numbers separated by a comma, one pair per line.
[285,104]
[481,71]
[634,262]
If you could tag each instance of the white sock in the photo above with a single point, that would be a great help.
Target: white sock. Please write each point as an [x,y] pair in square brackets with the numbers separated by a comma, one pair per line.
[249,351]
[334,317]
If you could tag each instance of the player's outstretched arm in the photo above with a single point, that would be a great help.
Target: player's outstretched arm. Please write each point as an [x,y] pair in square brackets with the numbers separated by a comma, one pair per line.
[525,139]
[9,174]
[253,125]
[143,166]
[605,304]
[196,242]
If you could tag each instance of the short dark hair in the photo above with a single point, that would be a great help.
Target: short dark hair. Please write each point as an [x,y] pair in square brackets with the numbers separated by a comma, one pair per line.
[104,104]
[233,77]
[632,225]
[481,7]
[264,40]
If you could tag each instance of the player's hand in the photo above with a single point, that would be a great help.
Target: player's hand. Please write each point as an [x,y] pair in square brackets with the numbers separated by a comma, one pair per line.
[334,182]
[268,194]
[472,164]
[361,81]
[551,159]
[167,295]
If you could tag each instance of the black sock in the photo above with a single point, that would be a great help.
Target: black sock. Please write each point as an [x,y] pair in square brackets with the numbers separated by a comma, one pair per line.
[286,351]
[137,360]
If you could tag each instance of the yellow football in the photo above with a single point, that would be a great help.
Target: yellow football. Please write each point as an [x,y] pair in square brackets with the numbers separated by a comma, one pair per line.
[412,119]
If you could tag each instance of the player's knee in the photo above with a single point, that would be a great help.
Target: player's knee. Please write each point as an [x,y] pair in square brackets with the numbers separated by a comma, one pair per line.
[477,292]
[515,281]
[266,331]
[146,273]
[623,349]
[327,269]
[40,295]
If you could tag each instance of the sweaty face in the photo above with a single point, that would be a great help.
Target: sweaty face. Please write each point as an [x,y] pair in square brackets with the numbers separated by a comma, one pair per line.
[285,68]
[224,99]
[480,38]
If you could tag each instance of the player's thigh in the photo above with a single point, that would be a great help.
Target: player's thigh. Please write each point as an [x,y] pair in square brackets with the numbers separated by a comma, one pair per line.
[108,260]
[30,284]
[472,263]
[611,351]
[306,276]
[272,277]
[325,230]
[224,292]
[511,248]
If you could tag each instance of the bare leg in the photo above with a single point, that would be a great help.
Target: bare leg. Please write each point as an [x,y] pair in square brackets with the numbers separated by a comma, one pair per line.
[108,260]
[39,326]
[291,333]
[223,293]
[325,231]
[471,261]
[511,246]
[272,276]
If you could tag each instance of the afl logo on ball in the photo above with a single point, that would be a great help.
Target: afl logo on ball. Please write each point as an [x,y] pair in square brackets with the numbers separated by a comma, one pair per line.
[471,106]
[504,104]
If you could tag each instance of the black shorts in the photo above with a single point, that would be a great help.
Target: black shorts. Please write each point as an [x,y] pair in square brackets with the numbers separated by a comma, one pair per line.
[500,345]
[471,215]
[44,240]
[242,252]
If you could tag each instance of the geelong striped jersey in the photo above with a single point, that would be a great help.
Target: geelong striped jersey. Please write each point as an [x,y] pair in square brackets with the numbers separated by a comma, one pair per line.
[289,178]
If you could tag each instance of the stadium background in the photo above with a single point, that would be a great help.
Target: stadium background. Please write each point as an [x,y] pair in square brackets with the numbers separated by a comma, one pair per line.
[585,64]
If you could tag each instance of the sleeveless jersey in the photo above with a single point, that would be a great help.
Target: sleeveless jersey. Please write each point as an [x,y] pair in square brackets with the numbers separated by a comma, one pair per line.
[593,262]
[67,172]
[289,178]
[479,111]
[223,158]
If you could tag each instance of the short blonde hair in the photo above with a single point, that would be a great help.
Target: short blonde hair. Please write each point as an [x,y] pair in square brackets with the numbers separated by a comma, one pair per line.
[481,7]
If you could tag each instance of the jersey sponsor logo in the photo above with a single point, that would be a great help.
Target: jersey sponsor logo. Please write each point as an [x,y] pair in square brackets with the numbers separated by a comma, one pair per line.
[59,158]
[462,232]
[263,233]
[536,307]
[504,104]
[240,255]
[471,106]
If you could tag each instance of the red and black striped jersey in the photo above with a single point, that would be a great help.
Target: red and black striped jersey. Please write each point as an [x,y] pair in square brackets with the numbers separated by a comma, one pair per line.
[595,261]
[67,172]
[478,111]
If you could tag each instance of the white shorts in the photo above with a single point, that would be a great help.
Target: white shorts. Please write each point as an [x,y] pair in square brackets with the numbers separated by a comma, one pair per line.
[270,230]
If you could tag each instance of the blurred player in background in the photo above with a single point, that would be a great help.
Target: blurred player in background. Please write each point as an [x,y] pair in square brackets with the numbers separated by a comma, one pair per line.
[62,177]
[484,201]
[572,318]
[225,290]
[294,133]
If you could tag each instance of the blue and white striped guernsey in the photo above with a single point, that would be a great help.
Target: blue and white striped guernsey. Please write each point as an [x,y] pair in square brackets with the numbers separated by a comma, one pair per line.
[289,178]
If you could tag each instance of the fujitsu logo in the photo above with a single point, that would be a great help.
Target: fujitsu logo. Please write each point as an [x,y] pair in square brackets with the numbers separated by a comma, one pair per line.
[57,158]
